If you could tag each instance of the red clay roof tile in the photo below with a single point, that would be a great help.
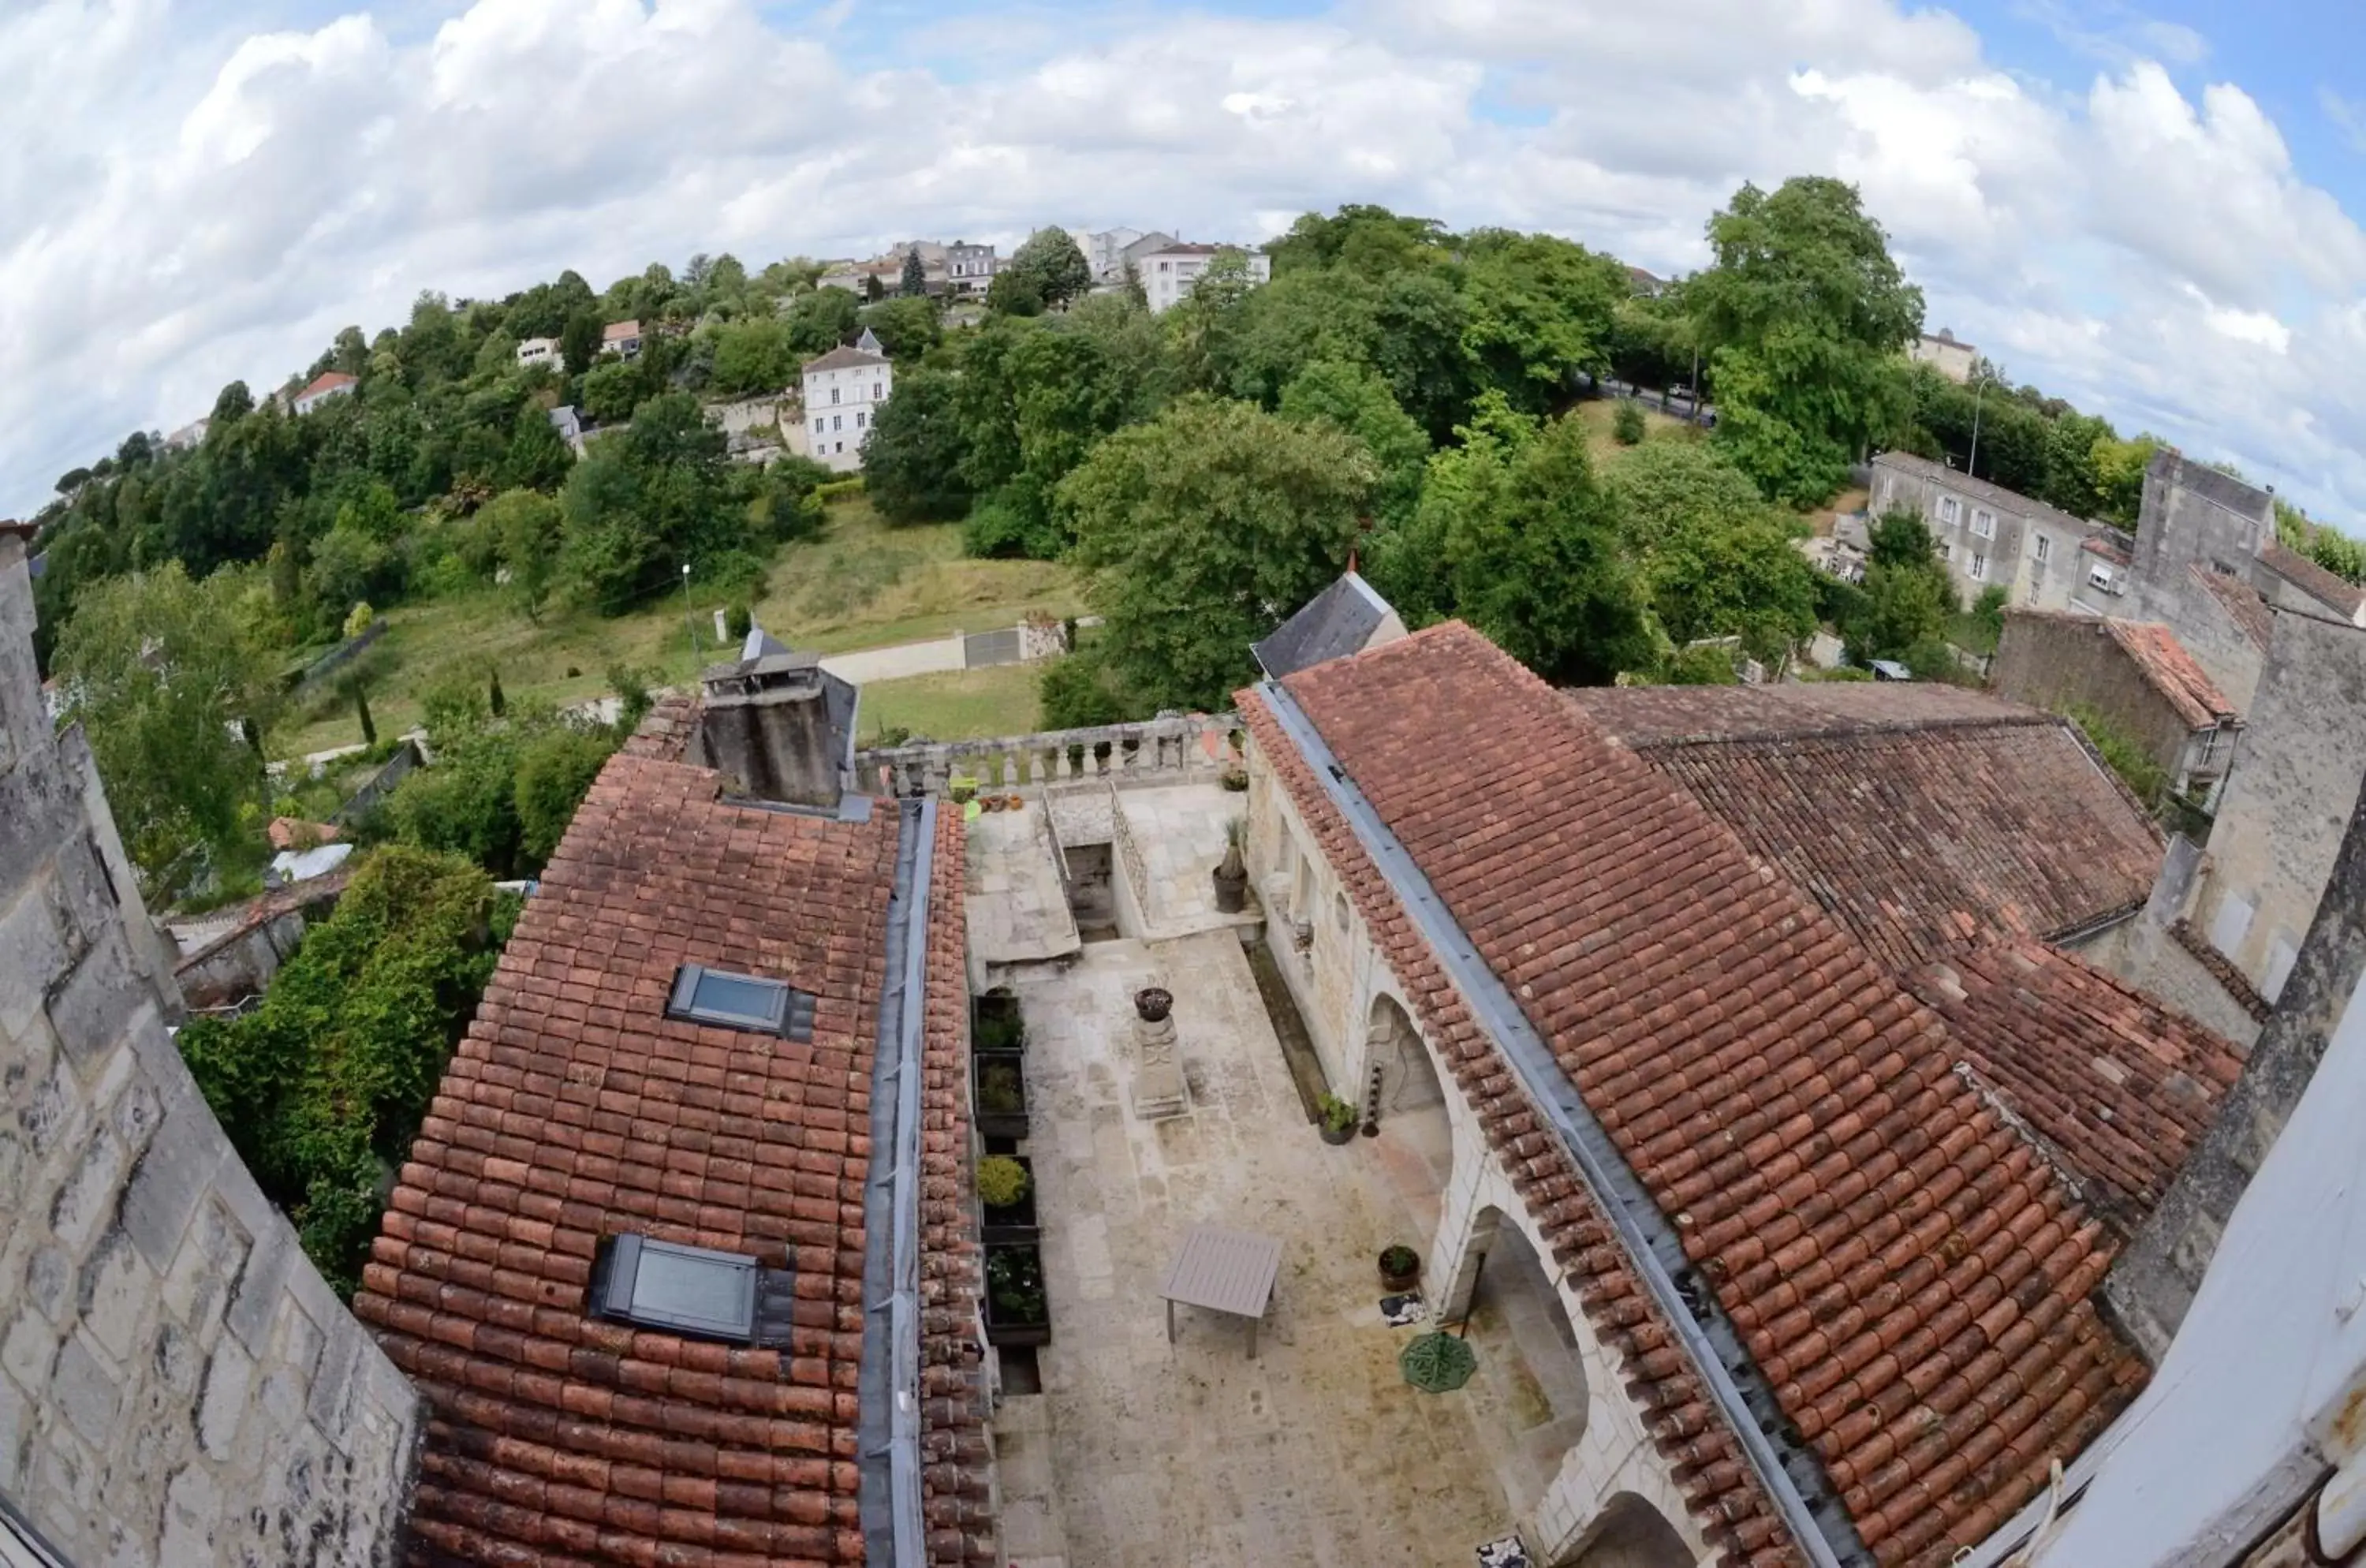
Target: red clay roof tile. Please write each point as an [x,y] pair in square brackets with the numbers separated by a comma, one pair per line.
[1946,1266]
[1922,820]
[2249,612]
[575,1109]
[2168,669]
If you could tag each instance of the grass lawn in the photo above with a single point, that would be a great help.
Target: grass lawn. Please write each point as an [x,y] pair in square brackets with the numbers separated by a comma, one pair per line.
[1595,414]
[862,584]
[962,706]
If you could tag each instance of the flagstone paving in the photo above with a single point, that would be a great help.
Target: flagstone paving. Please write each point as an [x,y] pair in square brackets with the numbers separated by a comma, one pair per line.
[1139,1454]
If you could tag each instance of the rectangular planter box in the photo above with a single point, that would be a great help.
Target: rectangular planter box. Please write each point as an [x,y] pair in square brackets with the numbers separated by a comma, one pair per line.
[997,1024]
[999,1124]
[1000,1330]
[1016,1222]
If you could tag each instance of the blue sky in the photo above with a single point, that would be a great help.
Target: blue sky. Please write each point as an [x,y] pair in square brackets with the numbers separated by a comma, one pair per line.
[2151,211]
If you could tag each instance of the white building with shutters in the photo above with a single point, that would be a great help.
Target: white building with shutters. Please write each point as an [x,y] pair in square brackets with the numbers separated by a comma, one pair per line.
[845,389]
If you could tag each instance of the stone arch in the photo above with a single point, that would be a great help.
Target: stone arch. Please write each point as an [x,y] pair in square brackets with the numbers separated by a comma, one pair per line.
[1628,1533]
[1415,1147]
[1531,1375]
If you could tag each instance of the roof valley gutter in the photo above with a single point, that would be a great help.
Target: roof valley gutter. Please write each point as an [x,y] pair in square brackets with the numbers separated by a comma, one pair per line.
[1826,1535]
[888,1389]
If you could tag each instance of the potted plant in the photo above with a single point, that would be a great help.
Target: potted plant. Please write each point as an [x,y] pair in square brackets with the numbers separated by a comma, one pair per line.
[1399,1268]
[1335,1118]
[1232,872]
[1015,1310]
[1000,1025]
[962,788]
[1153,1003]
[1001,1094]
[1235,779]
[1005,1186]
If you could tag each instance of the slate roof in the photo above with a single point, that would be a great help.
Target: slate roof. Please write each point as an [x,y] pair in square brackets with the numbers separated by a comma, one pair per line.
[1922,820]
[2328,589]
[2119,1088]
[1334,623]
[843,358]
[1908,1273]
[575,1109]
[2251,613]
[2168,669]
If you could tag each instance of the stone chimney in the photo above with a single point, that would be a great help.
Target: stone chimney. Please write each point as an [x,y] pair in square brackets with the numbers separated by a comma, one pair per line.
[779,726]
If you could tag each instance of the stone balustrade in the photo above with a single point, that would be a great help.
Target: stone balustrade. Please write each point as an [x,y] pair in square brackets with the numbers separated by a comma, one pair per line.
[1160,750]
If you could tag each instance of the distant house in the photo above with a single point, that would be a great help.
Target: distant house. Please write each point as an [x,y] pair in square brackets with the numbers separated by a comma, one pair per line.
[844,390]
[1105,251]
[1989,535]
[969,269]
[326,385]
[2133,675]
[567,419]
[540,350]
[1946,353]
[188,436]
[1170,273]
[1648,286]
[622,338]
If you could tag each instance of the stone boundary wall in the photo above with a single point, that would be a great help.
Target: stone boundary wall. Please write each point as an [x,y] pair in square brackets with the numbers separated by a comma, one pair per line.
[177,1385]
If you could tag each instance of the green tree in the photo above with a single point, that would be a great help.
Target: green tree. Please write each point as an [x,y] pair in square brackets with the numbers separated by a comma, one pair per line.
[1535,559]
[2119,468]
[1742,577]
[555,771]
[906,328]
[1626,425]
[1354,398]
[538,456]
[1666,487]
[1201,529]
[1014,294]
[1540,310]
[821,320]
[1049,261]
[159,673]
[1906,594]
[610,391]
[912,460]
[914,284]
[1805,315]
[579,339]
[527,529]
[322,1088]
[645,501]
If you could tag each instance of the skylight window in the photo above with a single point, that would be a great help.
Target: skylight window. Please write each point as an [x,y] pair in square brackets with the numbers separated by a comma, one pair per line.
[684,1289]
[740,1002]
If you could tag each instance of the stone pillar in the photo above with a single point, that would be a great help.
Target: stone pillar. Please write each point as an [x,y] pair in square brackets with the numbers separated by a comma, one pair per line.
[1158,1089]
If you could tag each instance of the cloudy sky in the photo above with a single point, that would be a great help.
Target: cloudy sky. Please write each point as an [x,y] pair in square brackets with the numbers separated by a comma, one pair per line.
[2149,212]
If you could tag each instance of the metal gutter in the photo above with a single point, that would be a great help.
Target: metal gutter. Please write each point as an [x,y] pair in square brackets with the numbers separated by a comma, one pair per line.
[888,1387]
[1790,1473]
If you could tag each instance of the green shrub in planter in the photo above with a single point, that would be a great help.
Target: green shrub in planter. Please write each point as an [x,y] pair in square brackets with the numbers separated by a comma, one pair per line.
[1001,1182]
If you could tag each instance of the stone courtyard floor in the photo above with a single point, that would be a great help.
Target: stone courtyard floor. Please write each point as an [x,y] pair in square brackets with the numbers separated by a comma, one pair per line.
[1139,1454]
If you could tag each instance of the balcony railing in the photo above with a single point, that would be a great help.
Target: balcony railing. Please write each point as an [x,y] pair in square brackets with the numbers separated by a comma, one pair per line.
[1160,750]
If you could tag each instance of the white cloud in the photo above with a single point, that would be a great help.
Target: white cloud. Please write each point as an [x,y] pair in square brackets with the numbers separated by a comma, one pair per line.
[182,202]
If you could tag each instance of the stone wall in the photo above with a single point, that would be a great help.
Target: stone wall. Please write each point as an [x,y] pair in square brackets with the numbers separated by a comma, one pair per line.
[2153,1281]
[2281,815]
[2194,514]
[2220,644]
[177,1385]
[2059,662]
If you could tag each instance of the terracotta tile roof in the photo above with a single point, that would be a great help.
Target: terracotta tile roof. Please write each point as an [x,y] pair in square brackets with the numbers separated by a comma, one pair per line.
[2119,1086]
[2326,588]
[665,730]
[2108,547]
[1921,831]
[954,1491]
[2251,613]
[2168,669]
[575,1109]
[328,382]
[1653,716]
[1908,1273]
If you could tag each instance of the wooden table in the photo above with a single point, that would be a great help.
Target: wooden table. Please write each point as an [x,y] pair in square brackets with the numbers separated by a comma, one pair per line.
[1223,1270]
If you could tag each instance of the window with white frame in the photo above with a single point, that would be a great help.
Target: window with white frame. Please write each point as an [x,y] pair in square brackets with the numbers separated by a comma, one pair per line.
[1984,523]
[2042,546]
[833,394]
[2100,577]
[1948,509]
[858,419]
[1979,566]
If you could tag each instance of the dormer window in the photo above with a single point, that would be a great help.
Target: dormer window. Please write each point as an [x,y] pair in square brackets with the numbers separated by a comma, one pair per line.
[740,1002]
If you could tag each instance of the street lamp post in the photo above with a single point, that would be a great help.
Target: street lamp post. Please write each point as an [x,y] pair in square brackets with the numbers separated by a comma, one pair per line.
[688,623]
